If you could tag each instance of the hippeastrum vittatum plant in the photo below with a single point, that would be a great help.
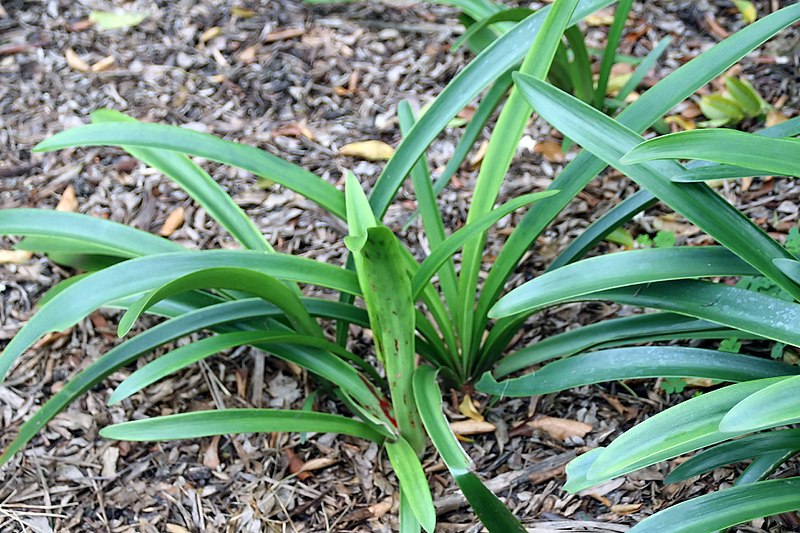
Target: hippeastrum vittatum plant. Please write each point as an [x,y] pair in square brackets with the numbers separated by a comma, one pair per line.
[429,317]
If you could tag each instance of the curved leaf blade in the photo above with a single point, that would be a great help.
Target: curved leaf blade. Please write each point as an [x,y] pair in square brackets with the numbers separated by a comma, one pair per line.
[229,421]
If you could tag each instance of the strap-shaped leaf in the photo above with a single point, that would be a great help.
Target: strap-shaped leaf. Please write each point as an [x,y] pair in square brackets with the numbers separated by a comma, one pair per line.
[504,53]
[608,333]
[387,292]
[191,353]
[754,312]
[185,141]
[636,363]
[104,235]
[772,406]
[777,156]
[735,451]
[494,515]
[78,300]
[720,510]
[620,270]
[683,428]
[228,421]
[609,140]
[197,184]
[249,281]
[413,483]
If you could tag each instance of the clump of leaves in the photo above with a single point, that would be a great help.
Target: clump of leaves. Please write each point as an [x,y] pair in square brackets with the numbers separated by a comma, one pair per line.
[739,101]
[458,326]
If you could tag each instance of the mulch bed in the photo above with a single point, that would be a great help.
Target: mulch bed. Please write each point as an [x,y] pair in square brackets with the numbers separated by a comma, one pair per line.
[301,82]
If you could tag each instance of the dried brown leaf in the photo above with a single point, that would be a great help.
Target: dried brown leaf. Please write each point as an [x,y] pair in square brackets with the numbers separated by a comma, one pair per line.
[471,427]
[68,201]
[75,61]
[14,257]
[560,428]
[370,150]
[173,222]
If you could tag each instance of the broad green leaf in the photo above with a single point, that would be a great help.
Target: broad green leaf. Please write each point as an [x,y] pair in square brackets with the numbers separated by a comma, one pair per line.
[763,466]
[753,312]
[228,421]
[197,184]
[494,515]
[636,363]
[735,451]
[775,405]
[183,140]
[688,426]
[502,146]
[78,300]
[503,54]
[720,510]
[440,254]
[196,351]
[778,156]
[248,281]
[608,333]
[608,139]
[386,289]
[413,483]
[116,239]
[670,91]
[619,270]
[408,522]
[720,110]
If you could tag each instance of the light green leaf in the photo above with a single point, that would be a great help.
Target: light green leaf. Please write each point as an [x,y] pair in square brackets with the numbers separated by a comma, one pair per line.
[413,483]
[635,363]
[779,156]
[228,421]
[106,20]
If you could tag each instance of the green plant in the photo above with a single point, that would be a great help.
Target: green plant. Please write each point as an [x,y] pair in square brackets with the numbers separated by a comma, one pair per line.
[739,101]
[251,296]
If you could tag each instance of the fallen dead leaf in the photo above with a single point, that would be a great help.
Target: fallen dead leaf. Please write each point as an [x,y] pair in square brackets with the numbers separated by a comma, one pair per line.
[68,201]
[175,528]
[242,12]
[550,150]
[379,509]
[295,129]
[14,257]
[471,427]
[477,157]
[370,150]
[296,465]
[249,54]
[601,18]
[626,508]
[104,64]
[560,428]
[468,409]
[282,35]
[210,33]
[173,222]
[684,123]
[110,457]
[775,117]
[211,455]
[75,62]
[318,464]
[603,489]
